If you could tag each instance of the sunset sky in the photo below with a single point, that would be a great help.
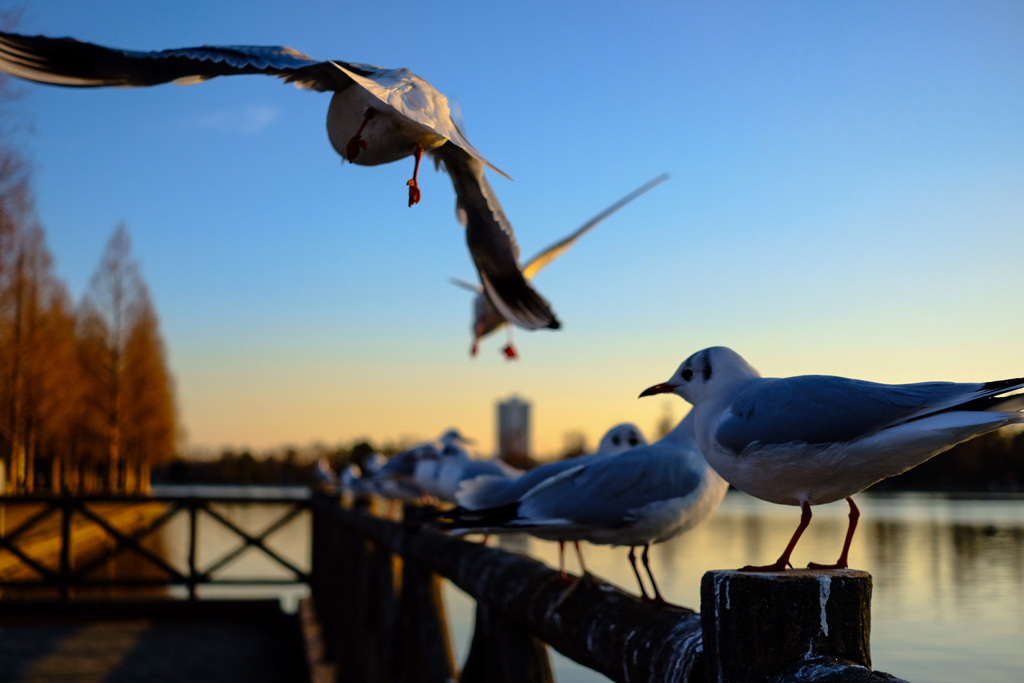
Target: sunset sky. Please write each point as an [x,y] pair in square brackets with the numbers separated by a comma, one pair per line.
[846,197]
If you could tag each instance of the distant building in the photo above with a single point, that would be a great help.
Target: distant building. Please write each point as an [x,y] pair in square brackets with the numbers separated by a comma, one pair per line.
[514,431]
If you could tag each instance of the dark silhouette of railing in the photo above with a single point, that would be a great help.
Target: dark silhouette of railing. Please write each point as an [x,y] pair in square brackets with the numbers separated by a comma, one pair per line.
[112,535]
[800,626]
[377,614]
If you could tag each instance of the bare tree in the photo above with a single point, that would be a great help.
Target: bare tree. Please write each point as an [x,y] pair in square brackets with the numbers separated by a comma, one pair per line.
[128,416]
[149,407]
[38,357]
[104,318]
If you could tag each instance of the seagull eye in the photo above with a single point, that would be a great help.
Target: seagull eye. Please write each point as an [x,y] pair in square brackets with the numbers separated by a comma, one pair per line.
[615,440]
[687,375]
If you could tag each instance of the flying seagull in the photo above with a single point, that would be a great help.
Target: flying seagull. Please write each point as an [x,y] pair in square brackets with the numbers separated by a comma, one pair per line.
[376,116]
[815,439]
[487,318]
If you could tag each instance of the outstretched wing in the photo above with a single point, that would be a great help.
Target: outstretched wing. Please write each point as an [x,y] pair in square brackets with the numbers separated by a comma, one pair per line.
[73,63]
[533,266]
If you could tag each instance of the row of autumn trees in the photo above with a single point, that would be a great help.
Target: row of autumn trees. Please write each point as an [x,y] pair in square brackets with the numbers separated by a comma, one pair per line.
[86,397]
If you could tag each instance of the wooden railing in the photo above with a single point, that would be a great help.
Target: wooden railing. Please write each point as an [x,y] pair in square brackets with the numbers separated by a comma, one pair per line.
[375,590]
[59,542]
[382,620]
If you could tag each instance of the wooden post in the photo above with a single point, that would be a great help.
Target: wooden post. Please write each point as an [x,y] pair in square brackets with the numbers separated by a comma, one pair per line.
[380,616]
[421,647]
[769,626]
[504,652]
[66,510]
[193,542]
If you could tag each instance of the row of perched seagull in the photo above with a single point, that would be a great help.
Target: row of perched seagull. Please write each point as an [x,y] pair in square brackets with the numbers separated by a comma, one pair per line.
[802,441]
[376,116]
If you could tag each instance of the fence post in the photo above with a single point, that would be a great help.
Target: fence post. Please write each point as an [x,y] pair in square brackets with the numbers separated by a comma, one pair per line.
[793,625]
[503,652]
[66,510]
[193,541]
[422,651]
[380,615]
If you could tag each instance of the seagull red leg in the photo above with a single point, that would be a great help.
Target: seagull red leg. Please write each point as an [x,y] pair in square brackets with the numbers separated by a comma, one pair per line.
[356,142]
[657,599]
[562,574]
[509,350]
[783,561]
[639,581]
[579,555]
[414,189]
[844,556]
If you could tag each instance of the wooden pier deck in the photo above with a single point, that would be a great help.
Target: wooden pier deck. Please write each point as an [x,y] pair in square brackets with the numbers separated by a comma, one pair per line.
[162,641]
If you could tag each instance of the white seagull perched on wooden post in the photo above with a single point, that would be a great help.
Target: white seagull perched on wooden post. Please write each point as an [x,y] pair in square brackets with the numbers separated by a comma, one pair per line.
[376,116]
[488,319]
[816,439]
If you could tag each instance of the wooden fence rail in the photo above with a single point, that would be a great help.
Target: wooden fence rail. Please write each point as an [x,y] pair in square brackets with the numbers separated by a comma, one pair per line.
[375,587]
[808,626]
[60,542]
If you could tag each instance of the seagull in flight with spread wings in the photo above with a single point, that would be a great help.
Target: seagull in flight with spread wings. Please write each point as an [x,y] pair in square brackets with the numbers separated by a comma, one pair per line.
[376,116]
[487,318]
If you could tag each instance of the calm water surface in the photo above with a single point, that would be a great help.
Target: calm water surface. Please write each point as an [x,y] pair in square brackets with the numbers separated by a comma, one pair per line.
[948,602]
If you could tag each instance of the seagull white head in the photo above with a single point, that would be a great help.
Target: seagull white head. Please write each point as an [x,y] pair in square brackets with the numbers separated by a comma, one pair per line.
[705,372]
[452,437]
[621,437]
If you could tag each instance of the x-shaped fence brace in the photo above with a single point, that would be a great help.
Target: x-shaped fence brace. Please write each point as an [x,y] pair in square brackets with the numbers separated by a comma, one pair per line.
[65,576]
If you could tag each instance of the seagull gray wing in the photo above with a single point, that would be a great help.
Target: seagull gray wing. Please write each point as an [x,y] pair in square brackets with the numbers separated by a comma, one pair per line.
[533,266]
[606,491]
[821,409]
[492,243]
[74,63]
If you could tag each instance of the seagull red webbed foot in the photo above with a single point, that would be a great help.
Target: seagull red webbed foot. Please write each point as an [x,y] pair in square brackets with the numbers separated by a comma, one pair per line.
[414,189]
[356,142]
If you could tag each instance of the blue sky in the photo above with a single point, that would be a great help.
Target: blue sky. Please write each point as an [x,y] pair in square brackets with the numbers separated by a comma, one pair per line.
[847,197]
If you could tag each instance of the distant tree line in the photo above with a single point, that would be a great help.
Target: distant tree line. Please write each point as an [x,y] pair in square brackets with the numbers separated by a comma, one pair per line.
[285,466]
[991,463]
[86,396]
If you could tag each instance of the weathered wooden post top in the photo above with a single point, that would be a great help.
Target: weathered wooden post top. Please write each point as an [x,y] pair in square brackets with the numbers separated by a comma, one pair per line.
[797,625]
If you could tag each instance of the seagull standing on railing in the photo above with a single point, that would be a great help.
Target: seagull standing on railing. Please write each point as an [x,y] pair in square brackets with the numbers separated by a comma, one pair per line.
[488,319]
[438,467]
[455,464]
[486,492]
[363,481]
[376,116]
[324,475]
[641,496]
[815,439]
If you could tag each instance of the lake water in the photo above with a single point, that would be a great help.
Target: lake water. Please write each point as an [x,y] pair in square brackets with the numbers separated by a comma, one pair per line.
[948,601]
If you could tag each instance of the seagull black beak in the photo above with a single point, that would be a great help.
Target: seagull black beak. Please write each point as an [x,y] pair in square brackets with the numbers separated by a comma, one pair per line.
[666,388]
